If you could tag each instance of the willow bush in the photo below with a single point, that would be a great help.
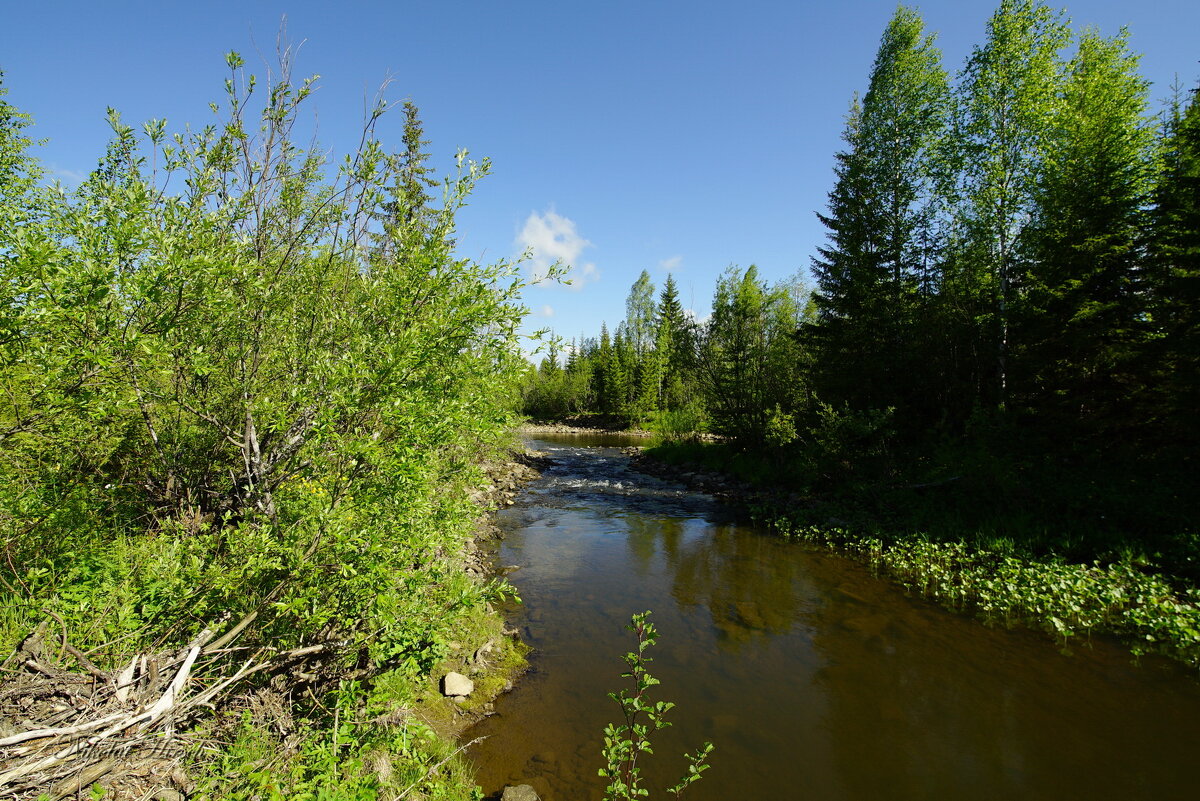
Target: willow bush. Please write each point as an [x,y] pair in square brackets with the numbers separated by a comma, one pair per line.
[244,378]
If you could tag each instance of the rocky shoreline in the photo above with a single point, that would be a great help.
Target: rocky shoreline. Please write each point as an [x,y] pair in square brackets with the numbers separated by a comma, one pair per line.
[480,672]
[568,428]
[711,482]
[482,667]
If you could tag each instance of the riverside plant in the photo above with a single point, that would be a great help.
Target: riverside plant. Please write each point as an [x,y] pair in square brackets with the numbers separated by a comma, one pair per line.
[249,387]
[624,744]
[1062,598]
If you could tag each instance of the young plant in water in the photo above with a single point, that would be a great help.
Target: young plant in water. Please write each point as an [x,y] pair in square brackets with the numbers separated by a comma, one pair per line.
[624,744]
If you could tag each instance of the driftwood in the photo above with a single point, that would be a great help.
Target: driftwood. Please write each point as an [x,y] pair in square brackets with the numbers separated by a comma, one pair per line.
[74,727]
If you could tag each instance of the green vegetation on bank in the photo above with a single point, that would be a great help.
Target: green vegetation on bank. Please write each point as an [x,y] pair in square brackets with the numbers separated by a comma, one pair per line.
[250,388]
[1000,352]
[1005,569]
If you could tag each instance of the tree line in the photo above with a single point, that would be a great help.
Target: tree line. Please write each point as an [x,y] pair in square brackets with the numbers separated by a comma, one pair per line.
[1012,258]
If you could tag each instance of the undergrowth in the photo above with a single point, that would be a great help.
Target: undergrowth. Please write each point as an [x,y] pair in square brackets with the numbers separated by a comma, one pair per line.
[1067,600]
[247,389]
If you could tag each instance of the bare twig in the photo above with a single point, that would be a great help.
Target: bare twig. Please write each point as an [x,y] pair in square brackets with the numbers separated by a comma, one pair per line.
[38,734]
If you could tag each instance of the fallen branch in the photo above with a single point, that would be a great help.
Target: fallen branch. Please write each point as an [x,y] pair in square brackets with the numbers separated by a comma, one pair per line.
[124,718]
[38,734]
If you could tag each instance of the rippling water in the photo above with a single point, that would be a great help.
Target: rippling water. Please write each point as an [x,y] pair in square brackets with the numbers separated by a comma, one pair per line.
[813,679]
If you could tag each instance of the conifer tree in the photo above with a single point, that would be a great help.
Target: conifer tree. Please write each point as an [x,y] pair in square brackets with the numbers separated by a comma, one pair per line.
[624,373]
[670,346]
[604,380]
[414,176]
[1175,271]
[880,213]
[670,310]
[550,366]
[1079,315]
[408,213]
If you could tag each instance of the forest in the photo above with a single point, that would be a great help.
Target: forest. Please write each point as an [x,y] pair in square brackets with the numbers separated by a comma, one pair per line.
[250,395]
[1000,344]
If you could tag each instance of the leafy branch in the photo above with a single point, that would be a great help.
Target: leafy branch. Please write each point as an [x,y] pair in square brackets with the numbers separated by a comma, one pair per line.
[624,744]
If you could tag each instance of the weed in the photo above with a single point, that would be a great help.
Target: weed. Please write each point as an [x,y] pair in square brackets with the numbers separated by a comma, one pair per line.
[625,743]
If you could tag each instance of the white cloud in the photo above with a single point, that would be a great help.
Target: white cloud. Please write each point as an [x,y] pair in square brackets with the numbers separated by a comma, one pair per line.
[673,263]
[70,177]
[550,238]
[547,311]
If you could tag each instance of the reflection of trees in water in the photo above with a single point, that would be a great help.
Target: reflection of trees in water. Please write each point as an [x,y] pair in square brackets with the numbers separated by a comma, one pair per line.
[738,575]
[640,542]
[901,720]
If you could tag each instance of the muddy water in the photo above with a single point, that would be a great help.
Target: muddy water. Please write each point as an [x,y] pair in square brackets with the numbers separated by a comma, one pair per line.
[814,679]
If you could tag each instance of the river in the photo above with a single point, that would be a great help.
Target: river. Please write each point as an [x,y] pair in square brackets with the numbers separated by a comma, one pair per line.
[813,678]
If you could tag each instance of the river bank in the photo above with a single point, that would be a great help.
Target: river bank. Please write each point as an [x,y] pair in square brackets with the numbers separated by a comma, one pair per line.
[582,425]
[771,647]
[1071,601]
[248,711]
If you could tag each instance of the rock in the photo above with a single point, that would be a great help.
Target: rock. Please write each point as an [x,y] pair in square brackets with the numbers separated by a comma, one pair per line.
[519,792]
[457,684]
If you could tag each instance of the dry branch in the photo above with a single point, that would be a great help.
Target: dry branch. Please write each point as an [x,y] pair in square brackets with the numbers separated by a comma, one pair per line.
[123,717]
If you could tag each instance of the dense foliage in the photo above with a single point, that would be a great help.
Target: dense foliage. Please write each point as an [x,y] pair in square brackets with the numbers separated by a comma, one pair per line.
[1001,341]
[243,381]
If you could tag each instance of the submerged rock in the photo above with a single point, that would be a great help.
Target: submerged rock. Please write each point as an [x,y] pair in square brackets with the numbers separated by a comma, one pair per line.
[519,792]
[456,684]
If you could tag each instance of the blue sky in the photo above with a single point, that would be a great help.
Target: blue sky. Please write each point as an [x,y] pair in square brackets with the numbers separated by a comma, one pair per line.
[682,136]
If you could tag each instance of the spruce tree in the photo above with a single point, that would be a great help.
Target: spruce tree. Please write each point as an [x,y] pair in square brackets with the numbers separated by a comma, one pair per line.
[414,176]
[670,343]
[408,216]
[871,274]
[1079,312]
[602,377]
[1174,284]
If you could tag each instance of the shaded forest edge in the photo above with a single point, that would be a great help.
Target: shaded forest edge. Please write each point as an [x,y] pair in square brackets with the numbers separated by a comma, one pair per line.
[991,390]
[253,408]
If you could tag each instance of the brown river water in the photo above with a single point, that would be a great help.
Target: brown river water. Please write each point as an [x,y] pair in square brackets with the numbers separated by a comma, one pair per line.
[813,678]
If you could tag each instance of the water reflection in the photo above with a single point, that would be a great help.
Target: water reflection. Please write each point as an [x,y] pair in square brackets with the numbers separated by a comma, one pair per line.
[746,592]
[814,679]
